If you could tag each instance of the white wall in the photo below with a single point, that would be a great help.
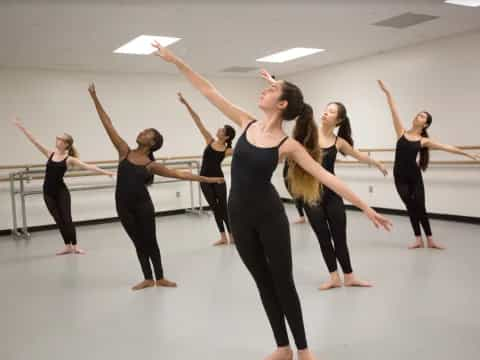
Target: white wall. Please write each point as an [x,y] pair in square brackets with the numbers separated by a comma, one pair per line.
[51,102]
[442,77]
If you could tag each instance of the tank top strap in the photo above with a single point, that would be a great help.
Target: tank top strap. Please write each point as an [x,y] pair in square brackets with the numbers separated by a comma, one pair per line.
[249,124]
[126,155]
[281,142]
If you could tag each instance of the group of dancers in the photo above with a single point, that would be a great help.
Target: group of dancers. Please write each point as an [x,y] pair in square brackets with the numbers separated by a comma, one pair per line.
[254,217]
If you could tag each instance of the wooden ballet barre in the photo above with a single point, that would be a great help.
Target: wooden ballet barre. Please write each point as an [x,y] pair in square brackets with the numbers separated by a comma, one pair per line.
[470,147]
[97,162]
[194,157]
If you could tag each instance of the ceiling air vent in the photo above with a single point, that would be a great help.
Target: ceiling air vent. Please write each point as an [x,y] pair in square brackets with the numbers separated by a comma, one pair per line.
[405,20]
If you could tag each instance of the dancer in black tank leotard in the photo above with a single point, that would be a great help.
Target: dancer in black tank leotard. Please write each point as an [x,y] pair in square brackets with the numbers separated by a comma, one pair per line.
[134,205]
[257,216]
[299,205]
[407,172]
[213,155]
[55,191]
[328,217]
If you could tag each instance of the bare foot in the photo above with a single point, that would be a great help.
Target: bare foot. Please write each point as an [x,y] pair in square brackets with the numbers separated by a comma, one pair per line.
[165,283]
[418,244]
[300,220]
[282,353]
[67,250]
[78,251]
[144,284]
[333,283]
[222,241]
[352,281]
[306,355]
[433,245]
[231,239]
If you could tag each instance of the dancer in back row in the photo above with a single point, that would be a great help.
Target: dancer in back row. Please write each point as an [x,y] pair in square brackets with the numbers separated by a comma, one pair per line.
[55,192]
[134,206]
[216,150]
[328,217]
[408,173]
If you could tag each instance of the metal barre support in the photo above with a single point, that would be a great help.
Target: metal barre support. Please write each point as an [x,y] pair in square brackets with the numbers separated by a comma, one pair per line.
[25,175]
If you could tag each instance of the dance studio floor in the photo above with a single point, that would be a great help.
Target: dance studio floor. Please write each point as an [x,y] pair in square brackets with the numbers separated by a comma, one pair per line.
[424,304]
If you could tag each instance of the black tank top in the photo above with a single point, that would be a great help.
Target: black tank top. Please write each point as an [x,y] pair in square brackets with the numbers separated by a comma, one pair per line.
[131,182]
[406,154]
[252,170]
[54,173]
[212,162]
[329,157]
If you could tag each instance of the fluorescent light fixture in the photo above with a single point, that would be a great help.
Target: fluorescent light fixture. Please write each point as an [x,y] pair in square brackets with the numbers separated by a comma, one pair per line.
[142,45]
[288,55]
[471,3]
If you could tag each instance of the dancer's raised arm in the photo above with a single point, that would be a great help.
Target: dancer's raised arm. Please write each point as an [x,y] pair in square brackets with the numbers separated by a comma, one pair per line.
[233,112]
[116,139]
[397,122]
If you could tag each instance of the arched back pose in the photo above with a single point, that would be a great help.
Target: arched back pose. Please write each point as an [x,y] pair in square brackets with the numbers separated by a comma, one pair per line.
[257,215]
[328,217]
[408,173]
[134,206]
[299,205]
[215,151]
[55,191]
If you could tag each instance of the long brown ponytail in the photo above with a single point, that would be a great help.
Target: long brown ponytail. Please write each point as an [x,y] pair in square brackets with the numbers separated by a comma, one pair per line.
[302,184]
[425,152]
[344,127]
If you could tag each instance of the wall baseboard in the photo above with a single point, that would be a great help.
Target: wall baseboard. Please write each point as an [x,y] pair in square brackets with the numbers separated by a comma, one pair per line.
[435,216]
[97,221]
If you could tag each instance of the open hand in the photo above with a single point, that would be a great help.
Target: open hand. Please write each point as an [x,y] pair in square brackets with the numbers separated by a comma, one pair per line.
[164,53]
[181,98]
[91,89]
[383,169]
[266,75]
[378,220]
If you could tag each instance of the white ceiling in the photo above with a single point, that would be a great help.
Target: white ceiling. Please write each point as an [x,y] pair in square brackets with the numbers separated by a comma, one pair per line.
[81,35]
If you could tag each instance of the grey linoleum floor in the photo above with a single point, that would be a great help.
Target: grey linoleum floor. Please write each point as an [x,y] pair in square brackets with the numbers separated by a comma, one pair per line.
[424,304]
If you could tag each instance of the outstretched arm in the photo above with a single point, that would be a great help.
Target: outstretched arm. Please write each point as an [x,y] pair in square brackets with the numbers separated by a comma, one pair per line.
[397,122]
[230,110]
[161,170]
[74,162]
[297,153]
[198,122]
[431,144]
[347,149]
[32,139]
[117,141]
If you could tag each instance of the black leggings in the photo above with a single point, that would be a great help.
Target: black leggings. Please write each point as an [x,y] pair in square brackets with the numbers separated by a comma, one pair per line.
[138,220]
[329,222]
[216,196]
[412,193]
[264,247]
[60,207]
